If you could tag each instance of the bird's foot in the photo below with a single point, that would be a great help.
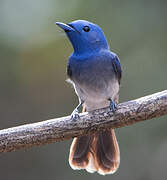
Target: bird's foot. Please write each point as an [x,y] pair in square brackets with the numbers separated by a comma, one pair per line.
[75,114]
[113,106]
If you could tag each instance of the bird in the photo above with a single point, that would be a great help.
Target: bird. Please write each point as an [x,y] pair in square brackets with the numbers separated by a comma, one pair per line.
[95,73]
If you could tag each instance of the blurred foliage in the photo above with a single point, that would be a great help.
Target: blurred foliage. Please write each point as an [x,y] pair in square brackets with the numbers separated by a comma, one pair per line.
[33,57]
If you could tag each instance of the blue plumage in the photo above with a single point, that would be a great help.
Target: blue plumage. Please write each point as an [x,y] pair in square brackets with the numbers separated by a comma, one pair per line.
[95,73]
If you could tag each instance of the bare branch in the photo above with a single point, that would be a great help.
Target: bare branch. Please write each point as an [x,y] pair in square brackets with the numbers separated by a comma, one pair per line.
[59,129]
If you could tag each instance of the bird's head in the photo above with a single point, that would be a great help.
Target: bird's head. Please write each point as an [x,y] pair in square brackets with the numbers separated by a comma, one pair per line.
[85,36]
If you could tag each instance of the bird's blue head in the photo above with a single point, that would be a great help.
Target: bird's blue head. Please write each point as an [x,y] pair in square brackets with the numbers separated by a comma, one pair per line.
[85,36]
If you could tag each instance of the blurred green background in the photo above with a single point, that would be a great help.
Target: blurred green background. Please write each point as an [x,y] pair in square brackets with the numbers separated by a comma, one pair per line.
[33,57]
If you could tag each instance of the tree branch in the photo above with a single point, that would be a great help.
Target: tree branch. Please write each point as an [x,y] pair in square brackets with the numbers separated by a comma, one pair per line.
[59,129]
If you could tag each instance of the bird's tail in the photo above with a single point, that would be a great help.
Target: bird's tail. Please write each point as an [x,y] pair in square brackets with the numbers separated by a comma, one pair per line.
[98,152]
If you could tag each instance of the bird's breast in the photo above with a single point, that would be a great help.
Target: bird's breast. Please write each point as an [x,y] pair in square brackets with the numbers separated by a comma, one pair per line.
[94,82]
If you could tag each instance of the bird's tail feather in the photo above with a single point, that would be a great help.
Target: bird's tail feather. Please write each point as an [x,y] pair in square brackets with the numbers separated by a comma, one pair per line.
[107,155]
[98,152]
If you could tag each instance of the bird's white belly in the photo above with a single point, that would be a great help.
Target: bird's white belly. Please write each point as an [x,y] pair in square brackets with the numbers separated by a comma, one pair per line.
[97,98]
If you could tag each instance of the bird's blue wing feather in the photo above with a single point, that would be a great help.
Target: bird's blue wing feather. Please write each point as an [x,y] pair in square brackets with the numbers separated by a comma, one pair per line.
[69,71]
[117,68]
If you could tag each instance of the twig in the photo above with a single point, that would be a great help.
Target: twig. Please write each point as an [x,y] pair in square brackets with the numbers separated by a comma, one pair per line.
[60,129]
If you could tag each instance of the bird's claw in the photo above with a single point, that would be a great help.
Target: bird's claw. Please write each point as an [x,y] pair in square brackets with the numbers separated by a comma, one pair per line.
[113,106]
[75,114]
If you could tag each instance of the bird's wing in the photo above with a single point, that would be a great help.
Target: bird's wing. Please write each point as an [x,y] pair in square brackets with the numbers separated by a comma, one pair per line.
[69,71]
[117,67]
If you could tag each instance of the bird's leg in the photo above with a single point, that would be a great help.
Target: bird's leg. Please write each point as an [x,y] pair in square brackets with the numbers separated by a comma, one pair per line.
[75,113]
[113,105]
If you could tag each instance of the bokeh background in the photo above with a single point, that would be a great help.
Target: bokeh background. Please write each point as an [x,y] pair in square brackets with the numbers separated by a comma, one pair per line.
[33,57]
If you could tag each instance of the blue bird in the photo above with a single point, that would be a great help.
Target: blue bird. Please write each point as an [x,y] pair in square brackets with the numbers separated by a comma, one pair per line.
[95,73]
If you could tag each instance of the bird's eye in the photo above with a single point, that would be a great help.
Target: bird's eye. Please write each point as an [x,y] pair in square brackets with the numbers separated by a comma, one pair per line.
[86,28]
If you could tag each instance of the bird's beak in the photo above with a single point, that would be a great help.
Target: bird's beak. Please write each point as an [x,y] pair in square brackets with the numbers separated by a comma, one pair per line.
[65,27]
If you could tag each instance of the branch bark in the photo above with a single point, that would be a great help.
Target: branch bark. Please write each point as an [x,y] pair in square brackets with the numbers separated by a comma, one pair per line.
[60,129]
